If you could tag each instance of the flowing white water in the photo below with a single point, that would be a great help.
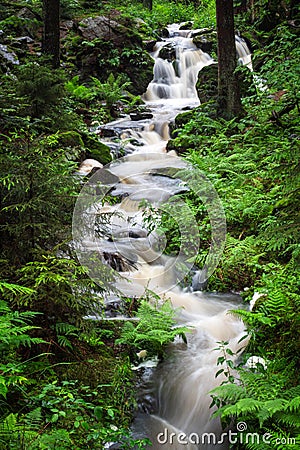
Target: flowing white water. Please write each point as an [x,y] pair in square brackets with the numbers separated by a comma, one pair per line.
[179,386]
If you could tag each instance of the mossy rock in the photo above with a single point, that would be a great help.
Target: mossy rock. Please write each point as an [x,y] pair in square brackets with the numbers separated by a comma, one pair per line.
[70,139]
[183,118]
[207,42]
[139,69]
[99,370]
[96,149]
[72,144]
[168,52]
[207,83]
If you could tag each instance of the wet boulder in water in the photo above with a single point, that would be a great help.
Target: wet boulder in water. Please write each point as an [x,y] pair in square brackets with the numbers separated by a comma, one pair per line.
[199,281]
[87,166]
[149,45]
[135,233]
[207,42]
[162,32]
[148,404]
[141,114]
[95,149]
[107,131]
[186,25]
[106,177]
[201,31]
[168,52]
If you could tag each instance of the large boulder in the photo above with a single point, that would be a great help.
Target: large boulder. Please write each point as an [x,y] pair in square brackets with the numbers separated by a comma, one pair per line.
[102,27]
[206,41]
[7,58]
[168,52]
[96,149]
[186,25]
[207,83]
[107,46]
[28,22]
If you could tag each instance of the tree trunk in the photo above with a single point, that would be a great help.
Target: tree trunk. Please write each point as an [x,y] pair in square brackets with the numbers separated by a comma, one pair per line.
[51,35]
[229,99]
[148,4]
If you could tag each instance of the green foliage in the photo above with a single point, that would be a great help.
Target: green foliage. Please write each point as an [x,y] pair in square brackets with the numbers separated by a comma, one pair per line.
[37,192]
[112,90]
[14,25]
[253,164]
[64,415]
[15,331]
[70,8]
[35,94]
[79,91]
[261,401]
[155,328]
[62,290]
[265,396]
[164,13]
[40,86]
[64,332]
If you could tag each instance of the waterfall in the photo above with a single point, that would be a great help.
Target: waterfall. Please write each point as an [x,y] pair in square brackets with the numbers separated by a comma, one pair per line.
[244,56]
[176,79]
[177,388]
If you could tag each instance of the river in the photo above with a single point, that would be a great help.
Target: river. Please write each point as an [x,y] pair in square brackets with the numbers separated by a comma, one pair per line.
[174,397]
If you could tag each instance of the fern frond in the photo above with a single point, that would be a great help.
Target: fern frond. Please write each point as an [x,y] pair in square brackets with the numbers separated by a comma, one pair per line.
[288,419]
[229,392]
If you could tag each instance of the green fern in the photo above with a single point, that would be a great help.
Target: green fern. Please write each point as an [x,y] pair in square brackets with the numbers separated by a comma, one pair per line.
[154,329]
[112,90]
[65,330]
[21,433]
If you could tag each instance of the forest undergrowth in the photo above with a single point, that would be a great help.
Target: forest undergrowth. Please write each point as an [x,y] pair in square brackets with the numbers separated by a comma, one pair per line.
[66,382]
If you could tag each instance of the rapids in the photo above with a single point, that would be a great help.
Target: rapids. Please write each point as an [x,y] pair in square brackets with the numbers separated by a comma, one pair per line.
[174,404]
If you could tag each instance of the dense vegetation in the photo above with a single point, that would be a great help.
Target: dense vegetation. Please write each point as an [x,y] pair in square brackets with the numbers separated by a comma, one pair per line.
[66,382]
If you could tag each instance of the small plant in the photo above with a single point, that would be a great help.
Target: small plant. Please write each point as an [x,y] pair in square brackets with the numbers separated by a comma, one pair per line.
[156,327]
[79,91]
[113,90]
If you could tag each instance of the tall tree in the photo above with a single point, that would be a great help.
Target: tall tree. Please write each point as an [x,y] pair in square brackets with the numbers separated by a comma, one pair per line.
[148,4]
[229,99]
[51,35]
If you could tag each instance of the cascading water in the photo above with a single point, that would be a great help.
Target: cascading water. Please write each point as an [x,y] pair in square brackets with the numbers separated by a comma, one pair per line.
[174,399]
[176,78]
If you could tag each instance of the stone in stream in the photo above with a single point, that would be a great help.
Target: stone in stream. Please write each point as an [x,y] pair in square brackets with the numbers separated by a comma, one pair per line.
[168,52]
[141,115]
[207,42]
[199,281]
[87,166]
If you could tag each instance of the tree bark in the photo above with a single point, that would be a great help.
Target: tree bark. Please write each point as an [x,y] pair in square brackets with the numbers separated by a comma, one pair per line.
[51,34]
[148,4]
[229,99]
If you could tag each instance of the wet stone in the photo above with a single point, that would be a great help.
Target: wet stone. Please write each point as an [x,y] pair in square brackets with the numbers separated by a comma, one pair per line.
[168,52]
[141,115]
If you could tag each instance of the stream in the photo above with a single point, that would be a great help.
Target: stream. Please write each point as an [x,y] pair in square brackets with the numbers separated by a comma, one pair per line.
[174,402]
